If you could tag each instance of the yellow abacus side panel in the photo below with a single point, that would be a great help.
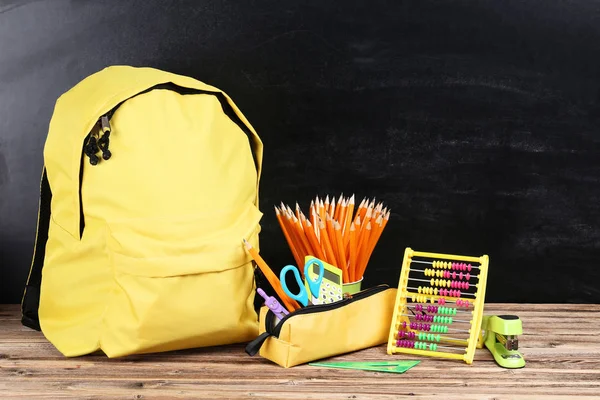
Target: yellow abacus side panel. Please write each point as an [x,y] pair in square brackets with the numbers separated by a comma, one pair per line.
[400,298]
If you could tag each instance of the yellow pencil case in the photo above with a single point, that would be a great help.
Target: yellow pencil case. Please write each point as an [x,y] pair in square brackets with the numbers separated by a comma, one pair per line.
[320,331]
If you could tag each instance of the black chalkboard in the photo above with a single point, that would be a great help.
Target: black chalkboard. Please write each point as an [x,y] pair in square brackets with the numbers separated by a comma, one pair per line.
[477,122]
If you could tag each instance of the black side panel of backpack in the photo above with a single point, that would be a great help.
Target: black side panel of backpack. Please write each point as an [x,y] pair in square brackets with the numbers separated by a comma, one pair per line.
[31,297]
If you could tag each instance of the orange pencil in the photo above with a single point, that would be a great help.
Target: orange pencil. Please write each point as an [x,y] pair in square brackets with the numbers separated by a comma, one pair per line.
[349,212]
[386,219]
[298,235]
[352,254]
[362,252]
[338,208]
[288,302]
[366,206]
[341,218]
[348,222]
[373,239]
[304,241]
[327,245]
[312,238]
[341,250]
[359,210]
[331,237]
[322,210]
[366,219]
[287,237]
[370,252]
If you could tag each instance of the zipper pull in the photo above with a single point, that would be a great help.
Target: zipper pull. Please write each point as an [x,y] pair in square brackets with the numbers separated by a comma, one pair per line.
[91,148]
[104,141]
[105,124]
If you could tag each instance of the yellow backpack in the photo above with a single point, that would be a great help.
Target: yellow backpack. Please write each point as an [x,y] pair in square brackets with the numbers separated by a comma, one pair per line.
[150,183]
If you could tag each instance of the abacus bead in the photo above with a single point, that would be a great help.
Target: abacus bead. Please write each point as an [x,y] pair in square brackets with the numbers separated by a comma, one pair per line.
[404,324]
[441,301]
[435,308]
[433,347]
[469,268]
[468,276]
[460,276]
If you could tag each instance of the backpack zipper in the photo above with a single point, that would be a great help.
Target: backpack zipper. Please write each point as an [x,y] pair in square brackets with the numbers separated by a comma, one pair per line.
[94,143]
[253,347]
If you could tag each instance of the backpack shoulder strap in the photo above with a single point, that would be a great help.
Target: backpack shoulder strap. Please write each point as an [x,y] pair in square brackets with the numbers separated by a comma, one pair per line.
[31,296]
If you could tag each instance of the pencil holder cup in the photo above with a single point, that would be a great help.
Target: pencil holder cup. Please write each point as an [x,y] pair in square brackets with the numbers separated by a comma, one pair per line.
[352,287]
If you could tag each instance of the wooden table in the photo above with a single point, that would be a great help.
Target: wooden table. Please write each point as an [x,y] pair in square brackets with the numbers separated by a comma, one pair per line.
[561,344]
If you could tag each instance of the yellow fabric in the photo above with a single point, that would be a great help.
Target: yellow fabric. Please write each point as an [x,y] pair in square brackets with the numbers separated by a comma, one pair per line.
[160,265]
[309,337]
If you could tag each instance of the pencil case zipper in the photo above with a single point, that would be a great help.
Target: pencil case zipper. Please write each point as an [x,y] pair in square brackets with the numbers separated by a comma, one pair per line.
[93,143]
[253,347]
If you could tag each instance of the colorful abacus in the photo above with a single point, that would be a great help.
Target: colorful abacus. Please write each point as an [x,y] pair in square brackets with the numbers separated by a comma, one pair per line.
[432,320]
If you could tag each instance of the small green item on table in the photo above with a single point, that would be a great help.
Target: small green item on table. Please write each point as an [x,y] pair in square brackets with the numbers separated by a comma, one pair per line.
[397,367]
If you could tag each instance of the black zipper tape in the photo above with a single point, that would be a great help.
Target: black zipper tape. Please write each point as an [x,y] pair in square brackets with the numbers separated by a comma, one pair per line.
[227,110]
[254,346]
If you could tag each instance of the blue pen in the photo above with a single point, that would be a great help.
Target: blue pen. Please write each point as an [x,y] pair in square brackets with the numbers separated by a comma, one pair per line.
[273,304]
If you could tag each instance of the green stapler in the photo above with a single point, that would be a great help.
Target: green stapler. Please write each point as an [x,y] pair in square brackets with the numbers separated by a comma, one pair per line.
[500,337]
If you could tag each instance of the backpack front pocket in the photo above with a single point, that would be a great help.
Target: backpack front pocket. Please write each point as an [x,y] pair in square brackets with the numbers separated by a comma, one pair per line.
[180,282]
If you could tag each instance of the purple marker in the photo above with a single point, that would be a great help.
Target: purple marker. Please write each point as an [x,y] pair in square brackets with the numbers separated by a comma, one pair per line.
[273,304]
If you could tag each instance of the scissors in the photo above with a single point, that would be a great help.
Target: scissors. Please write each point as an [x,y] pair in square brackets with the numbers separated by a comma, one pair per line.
[314,285]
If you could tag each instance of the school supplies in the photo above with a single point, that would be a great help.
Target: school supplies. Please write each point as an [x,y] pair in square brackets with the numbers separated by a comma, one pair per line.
[439,305]
[313,286]
[331,285]
[335,233]
[290,304]
[273,304]
[325,330]
[500,338]
[397,367]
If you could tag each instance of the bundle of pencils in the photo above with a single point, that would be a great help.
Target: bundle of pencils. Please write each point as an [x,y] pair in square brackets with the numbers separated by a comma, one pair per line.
[335,232]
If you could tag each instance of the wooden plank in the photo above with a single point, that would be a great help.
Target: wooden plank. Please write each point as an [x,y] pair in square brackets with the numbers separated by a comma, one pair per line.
[561,344]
